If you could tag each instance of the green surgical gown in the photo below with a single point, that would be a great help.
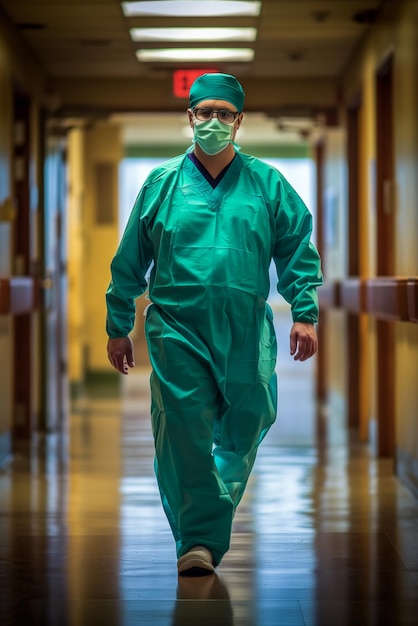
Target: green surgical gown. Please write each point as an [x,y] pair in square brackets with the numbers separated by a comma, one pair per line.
[209,330]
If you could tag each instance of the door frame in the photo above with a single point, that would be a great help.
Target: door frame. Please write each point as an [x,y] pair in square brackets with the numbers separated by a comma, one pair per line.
[385,251]
[23,422]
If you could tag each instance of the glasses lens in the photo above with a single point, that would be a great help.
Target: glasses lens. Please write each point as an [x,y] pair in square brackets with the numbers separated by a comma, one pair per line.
[203,114]
[225,116]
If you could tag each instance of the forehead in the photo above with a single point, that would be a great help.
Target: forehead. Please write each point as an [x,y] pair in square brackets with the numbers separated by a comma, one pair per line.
[216,104]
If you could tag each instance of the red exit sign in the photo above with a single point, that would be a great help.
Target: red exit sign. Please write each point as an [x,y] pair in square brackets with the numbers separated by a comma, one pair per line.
[183,80]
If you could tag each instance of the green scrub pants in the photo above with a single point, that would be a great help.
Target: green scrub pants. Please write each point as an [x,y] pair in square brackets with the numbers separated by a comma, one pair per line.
[213,400]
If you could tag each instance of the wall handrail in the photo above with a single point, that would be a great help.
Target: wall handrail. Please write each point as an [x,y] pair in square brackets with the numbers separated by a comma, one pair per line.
[384,297]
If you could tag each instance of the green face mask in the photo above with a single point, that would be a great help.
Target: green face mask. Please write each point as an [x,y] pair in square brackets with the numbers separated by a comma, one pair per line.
[213,136]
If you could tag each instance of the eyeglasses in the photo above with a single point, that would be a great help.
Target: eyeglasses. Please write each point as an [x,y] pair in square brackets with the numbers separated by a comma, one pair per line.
[223,115]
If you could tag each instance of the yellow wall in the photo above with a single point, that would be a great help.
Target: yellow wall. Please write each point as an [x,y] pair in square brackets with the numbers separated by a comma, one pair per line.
[76,329]
[102,144]
[91,247]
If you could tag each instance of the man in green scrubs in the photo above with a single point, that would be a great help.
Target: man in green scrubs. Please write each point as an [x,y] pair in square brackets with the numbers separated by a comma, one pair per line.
[208,223]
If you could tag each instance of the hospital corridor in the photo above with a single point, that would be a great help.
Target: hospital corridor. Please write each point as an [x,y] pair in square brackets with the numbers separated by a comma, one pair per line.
[300,210]
[325,533]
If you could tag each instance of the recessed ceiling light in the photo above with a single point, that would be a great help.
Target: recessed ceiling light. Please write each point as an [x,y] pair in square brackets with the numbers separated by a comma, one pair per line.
[193,34]
[195,54]
[194,8]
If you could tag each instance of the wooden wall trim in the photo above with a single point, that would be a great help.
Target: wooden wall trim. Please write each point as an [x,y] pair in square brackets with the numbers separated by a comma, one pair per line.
[384,297]
[412,297]
[17,295]
[390,298]
[353,295]
[329,295]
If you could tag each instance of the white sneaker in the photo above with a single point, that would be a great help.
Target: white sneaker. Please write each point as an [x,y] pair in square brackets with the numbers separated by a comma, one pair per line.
[197,562]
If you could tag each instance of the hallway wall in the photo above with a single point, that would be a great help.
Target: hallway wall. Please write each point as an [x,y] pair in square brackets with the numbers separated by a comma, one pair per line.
[5,255]
[334,261]
[93,228]
[102,154]
[395,33]
[18,70]
[76,326]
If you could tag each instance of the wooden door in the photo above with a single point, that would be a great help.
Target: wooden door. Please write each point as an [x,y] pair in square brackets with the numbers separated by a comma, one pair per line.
[23,410]
[354,365]
[321,372]
[385,262]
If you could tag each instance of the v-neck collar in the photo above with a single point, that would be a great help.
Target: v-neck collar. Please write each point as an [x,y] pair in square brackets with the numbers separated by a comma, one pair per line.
[213,193]
[213,182]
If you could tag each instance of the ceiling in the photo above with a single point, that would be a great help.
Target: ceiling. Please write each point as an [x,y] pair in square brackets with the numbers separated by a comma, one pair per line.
[300,52]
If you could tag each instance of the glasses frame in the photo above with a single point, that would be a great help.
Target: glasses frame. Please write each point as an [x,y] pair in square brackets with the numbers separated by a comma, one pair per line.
[217,111]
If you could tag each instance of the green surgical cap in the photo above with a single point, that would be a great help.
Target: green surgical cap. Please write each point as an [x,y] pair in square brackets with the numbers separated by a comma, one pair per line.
[217,87]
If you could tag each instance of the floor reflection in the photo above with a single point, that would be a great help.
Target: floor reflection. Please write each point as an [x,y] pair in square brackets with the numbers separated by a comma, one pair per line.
[204,601]
[324,536]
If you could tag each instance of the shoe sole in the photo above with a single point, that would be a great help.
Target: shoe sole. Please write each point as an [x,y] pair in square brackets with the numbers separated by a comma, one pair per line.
[196,572]
[195,566]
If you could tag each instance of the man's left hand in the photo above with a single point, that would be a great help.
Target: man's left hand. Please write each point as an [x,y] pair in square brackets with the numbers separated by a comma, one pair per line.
[303,341]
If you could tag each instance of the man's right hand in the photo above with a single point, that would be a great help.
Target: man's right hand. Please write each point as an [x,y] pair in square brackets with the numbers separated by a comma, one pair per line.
[120,351]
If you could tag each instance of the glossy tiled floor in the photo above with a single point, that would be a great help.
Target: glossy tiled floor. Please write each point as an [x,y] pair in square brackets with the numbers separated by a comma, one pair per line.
[325,536]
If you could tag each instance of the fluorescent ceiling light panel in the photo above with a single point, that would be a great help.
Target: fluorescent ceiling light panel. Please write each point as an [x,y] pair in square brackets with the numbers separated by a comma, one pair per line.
[195,8]
[193,34]
[191,55]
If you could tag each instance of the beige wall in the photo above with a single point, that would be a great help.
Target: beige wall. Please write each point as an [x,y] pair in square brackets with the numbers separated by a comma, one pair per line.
[398,33]
[335,205]
[406,147]
[335,263]
[406,141]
